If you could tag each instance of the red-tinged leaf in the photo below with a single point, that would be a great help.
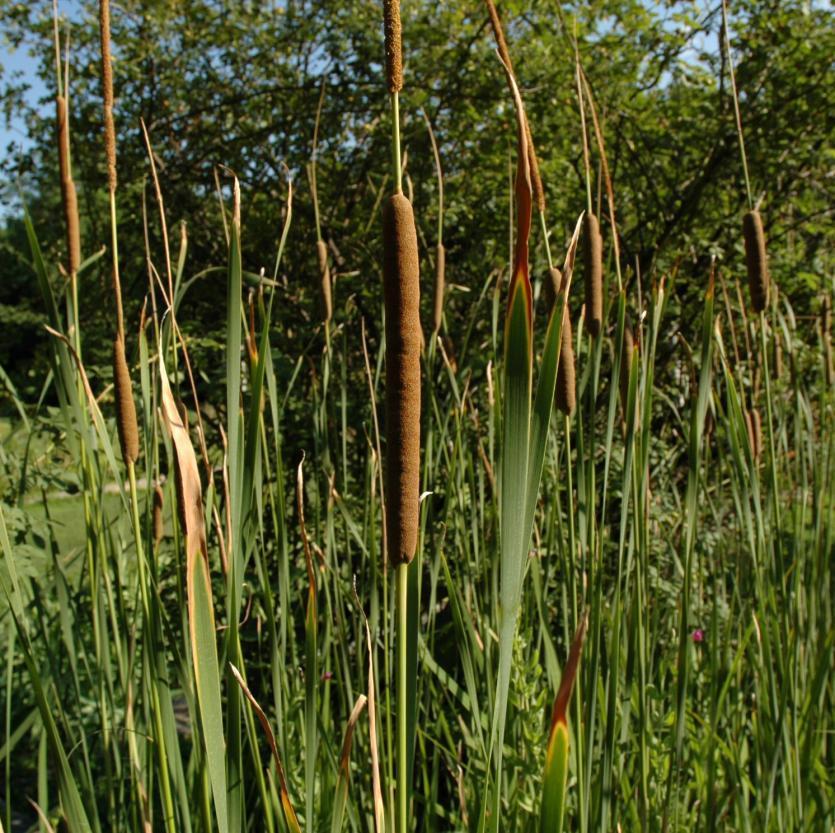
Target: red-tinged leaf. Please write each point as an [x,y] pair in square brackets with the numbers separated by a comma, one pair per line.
[556,757]
[524,200]
[559,715]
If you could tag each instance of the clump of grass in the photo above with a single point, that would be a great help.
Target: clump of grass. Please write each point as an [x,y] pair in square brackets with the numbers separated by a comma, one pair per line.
[756,259]
[593,272]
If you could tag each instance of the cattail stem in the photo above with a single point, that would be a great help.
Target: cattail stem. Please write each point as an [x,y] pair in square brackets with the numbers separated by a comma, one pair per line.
[397,162]
[583,130]
[402,580]
[736,106]
[403,344]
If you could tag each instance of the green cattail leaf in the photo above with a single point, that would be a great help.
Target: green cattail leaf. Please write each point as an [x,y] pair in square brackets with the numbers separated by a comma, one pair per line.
[201,615]
[554,783]
[344,774]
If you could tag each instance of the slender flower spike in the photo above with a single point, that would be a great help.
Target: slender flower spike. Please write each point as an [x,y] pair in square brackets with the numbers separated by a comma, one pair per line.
[556,758]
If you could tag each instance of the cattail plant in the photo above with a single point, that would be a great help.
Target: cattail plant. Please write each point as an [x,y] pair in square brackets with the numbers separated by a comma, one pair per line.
[556,756]
[756,259]
[593,272]
[440,285]
[401,277]
[440,251]
[324,281]
[525,430]
[537,190]
[403,337]
[565,395]
[158,516]
[754,426]
[125,407]
[69,197]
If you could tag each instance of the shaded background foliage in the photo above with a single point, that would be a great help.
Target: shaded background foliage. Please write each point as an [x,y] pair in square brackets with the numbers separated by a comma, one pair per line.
[237,85]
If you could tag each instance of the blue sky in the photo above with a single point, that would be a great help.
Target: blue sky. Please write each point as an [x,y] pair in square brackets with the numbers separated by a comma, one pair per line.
[22,62]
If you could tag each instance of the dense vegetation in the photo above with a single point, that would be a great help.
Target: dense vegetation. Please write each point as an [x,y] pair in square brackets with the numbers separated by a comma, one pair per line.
[684,518]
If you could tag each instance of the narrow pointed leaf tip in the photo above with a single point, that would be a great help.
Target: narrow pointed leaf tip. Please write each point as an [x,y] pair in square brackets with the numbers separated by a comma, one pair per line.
[560,713]
[524,199]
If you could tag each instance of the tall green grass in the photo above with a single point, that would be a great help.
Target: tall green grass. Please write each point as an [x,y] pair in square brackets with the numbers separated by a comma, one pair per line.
[260,668]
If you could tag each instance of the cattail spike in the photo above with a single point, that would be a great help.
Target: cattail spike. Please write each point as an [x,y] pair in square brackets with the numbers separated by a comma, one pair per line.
[159,521]
[566,392]
[69,197]
[394,45]
[107,93]
[593,273]
[756,259]
[325,281]
[440,286]
[401,278]
[753,424]
[125,407]
[551,284]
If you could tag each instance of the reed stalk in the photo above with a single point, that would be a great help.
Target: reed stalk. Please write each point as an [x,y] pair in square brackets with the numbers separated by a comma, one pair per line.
[403,343]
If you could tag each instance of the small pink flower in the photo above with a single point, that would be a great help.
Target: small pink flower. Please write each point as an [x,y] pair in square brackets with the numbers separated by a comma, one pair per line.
[328,675]
[698,636]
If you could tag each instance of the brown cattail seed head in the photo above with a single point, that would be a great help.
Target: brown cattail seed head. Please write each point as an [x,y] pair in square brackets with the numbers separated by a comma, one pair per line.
[566,393]
[593,273]
[69,198]
[753,424]
[756,259]
[159,523]
[401,279]
[125,408]
[440,286]
[107,93]
[394,45]
[325,280]
[551,286]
